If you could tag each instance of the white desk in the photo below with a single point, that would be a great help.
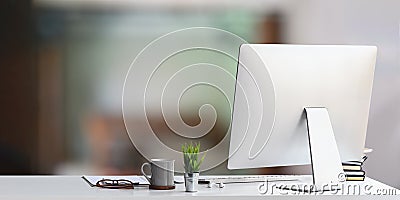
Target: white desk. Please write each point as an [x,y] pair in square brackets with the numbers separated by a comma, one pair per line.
[73,187]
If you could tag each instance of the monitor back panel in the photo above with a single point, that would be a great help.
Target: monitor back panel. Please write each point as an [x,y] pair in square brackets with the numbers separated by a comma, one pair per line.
[274,85]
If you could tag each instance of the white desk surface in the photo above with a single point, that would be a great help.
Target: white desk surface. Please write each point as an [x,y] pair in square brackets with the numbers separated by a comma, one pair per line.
[74,187]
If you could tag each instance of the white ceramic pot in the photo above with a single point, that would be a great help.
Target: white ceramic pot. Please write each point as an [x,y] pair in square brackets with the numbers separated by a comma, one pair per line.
[191,181]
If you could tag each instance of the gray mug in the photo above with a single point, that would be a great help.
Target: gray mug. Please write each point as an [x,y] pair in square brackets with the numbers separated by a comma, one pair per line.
[162,172]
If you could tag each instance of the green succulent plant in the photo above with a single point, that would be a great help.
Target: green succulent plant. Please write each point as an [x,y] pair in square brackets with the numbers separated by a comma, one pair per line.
[191,157]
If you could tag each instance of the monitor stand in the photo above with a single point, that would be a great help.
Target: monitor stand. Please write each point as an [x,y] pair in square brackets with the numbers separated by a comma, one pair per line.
[327,170]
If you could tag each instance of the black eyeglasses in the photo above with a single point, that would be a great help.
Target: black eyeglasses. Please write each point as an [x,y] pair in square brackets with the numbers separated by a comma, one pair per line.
[115,184]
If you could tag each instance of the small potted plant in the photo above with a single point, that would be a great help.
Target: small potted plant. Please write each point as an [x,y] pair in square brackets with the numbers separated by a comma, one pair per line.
[192,165]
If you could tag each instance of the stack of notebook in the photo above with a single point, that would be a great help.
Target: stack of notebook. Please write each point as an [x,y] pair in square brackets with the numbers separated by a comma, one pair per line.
[353,170]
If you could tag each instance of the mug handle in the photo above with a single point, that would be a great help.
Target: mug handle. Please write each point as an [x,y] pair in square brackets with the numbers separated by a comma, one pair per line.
[144,174]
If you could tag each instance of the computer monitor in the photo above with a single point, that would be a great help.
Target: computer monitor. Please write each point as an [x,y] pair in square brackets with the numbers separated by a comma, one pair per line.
[275,83]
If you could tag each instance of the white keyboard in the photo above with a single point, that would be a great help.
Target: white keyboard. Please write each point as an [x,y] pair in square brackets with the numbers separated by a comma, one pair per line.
[248,178]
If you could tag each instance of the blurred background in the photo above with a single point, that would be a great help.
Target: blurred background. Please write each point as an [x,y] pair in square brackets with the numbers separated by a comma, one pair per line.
[63,64]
